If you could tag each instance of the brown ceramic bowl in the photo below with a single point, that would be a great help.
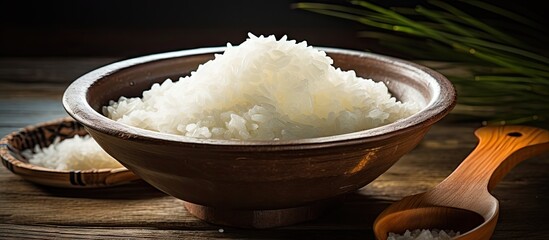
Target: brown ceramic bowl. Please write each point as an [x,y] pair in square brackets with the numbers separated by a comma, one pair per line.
[256,183]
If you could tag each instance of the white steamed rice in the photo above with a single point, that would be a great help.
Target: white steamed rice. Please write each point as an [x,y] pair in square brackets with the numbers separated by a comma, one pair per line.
[424,234]
[263,89]
[76,153]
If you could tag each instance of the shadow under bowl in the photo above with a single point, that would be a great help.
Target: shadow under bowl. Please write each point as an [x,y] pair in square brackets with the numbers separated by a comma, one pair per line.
[256,183]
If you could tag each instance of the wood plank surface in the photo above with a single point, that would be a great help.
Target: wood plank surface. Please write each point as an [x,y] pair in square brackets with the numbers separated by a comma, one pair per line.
[139,211]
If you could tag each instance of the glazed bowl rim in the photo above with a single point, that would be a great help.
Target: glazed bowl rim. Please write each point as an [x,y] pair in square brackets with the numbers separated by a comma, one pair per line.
[76,104]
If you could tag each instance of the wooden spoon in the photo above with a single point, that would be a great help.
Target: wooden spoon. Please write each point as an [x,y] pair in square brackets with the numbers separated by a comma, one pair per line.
[462,202]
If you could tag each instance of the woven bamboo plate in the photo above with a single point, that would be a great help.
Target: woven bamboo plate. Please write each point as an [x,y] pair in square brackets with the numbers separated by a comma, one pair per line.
[43,134]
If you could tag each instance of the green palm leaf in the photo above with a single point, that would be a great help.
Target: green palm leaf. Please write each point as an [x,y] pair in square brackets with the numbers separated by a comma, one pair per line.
[499,78]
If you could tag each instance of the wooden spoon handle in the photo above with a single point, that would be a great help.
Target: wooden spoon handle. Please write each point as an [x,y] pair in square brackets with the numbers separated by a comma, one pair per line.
[500,149]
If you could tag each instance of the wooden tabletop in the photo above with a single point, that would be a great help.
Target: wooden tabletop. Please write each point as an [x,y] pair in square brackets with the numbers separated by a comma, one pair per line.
[31,90]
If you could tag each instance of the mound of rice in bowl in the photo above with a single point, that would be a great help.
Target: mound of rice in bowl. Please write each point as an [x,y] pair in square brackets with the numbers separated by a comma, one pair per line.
[263,89]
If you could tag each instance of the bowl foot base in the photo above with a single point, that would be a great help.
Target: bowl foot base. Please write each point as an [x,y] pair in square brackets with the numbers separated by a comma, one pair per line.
[257,218]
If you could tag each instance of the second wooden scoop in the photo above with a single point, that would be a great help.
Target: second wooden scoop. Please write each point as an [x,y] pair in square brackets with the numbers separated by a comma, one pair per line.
[462,202]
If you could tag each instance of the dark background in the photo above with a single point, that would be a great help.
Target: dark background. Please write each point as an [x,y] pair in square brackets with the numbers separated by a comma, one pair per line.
[132,28]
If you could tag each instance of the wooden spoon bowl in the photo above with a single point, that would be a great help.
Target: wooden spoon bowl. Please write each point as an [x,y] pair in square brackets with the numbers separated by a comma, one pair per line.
[462,202]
